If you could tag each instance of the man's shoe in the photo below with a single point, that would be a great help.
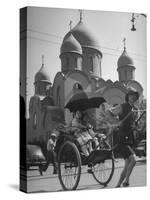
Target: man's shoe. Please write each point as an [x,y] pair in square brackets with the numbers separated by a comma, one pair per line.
[90,171]
[40,170]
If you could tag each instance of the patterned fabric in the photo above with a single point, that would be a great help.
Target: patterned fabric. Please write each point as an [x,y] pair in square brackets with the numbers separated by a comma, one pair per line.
[82,136]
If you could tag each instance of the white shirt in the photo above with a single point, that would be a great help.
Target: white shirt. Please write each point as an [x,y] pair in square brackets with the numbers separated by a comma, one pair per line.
[51,145]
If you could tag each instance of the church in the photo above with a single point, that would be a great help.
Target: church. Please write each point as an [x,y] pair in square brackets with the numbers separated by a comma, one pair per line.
[81,69]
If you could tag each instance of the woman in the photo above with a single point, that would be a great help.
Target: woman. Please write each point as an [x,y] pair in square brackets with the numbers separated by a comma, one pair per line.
[83,137]
[86,122]
[126,138]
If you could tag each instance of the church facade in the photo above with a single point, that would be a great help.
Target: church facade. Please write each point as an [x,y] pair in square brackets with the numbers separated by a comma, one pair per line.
[80,56]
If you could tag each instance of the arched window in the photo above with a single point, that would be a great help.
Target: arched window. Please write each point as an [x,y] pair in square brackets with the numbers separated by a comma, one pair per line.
[58,96]
[126,75]
[34,120]
[91,64]
[75,63]
[67,61]
[77,86]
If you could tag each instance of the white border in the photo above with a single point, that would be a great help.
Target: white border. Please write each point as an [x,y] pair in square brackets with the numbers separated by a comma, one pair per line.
[9,90]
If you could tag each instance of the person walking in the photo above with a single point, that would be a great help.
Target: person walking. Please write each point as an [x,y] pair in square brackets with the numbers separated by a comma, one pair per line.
[51,155]
[126,115]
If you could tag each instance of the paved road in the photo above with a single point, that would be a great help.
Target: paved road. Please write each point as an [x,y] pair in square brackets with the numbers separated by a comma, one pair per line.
[49,182]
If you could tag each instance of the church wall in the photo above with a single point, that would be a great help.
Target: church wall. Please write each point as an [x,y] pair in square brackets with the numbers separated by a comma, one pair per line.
[71,80]
[75,77]
[36,121]
[41,88]
[91,62]
[71,61]
[126,73]
[130,74]
[47,118]
[58,91]
[114,95]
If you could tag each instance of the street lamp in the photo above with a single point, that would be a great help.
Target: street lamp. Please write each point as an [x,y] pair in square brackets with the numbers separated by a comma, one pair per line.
[134,19]
[133,23]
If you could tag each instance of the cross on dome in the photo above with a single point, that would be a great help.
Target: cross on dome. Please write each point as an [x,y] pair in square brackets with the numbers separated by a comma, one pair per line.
[42,59]
[81,15]
[124,43]
[70,25]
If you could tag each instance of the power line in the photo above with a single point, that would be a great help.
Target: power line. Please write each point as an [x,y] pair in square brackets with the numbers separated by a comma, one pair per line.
[141,60]
[54,35]
[41,32]
[44,33]
[43,40]
[121,51]
[57,43]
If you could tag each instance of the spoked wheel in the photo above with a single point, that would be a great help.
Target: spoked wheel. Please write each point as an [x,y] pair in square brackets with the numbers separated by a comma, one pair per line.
[103,171]
[69,166]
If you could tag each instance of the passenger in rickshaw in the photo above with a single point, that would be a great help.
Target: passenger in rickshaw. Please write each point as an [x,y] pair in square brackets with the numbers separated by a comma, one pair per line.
[86,122]
[81,133]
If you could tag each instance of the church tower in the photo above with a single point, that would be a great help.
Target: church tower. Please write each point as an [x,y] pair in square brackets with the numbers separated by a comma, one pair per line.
[70,53]
[126,68]
[83,42]
[42,81]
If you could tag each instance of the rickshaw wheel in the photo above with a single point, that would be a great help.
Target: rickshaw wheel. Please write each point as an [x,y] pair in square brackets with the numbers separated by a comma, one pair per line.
[69,166]
[104,170]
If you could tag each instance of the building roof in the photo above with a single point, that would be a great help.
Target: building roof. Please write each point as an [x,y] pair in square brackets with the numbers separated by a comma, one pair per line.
[125,60]
[42,75]
[70,44]
[84,36]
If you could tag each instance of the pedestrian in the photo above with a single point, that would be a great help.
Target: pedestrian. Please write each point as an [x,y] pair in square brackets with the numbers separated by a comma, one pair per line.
[51,155]
[126,141]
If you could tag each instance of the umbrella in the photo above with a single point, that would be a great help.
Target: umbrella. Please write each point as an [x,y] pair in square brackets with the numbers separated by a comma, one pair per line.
[95,102]
[82,101]
[77,102]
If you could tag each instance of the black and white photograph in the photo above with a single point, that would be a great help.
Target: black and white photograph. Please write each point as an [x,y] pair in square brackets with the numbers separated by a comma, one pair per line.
[83,99]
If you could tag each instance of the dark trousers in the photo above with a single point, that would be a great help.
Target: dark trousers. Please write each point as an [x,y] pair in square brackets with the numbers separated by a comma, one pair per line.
[51,158]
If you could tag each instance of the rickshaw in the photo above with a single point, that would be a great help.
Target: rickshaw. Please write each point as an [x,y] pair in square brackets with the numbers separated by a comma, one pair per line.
[70,158]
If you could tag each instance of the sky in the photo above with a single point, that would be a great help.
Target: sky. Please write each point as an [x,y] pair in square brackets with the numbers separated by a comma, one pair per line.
[47,26]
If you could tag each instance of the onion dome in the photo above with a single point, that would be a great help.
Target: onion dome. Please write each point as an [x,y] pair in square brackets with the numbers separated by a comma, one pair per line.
[70,44]
[84,36]
[42,75]
[125,60]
